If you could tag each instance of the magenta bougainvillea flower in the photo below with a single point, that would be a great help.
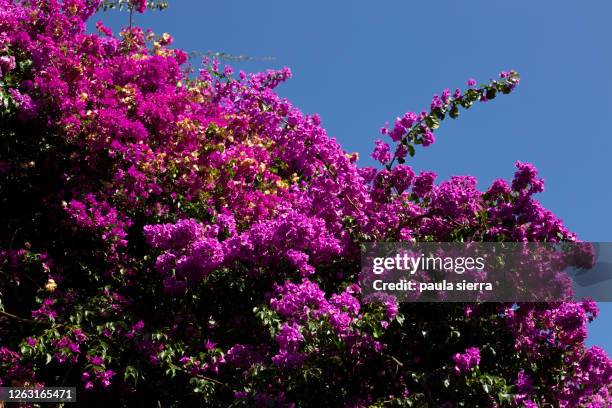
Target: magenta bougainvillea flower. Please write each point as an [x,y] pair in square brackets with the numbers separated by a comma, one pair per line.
[466,360]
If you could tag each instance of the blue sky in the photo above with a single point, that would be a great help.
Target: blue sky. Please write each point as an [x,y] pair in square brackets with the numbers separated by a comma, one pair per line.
[362,63]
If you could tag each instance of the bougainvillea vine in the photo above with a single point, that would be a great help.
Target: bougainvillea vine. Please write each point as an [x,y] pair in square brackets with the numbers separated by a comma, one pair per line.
[175,238]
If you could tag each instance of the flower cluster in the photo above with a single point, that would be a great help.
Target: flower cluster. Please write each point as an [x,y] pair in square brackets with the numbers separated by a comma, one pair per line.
[194,231]
[466,360]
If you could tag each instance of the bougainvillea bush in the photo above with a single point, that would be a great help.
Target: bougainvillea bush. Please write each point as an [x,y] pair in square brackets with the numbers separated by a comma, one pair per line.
[172,237]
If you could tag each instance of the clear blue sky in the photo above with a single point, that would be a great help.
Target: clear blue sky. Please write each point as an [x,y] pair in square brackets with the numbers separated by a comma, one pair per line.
[361,63]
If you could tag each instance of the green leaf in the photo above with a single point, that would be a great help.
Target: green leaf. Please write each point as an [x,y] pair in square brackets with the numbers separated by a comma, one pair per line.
[411,150]
[504,397]
[454,112]
[491,93]
[432,122]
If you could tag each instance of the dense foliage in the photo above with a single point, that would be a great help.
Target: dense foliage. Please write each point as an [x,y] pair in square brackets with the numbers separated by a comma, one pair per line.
[175,238]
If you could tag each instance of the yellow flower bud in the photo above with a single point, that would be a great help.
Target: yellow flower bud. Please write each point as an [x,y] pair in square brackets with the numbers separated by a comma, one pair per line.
[51,285]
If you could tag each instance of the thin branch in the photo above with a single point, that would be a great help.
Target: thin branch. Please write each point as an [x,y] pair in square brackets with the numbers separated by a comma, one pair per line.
[12,316]
[200,376]
[228,57]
